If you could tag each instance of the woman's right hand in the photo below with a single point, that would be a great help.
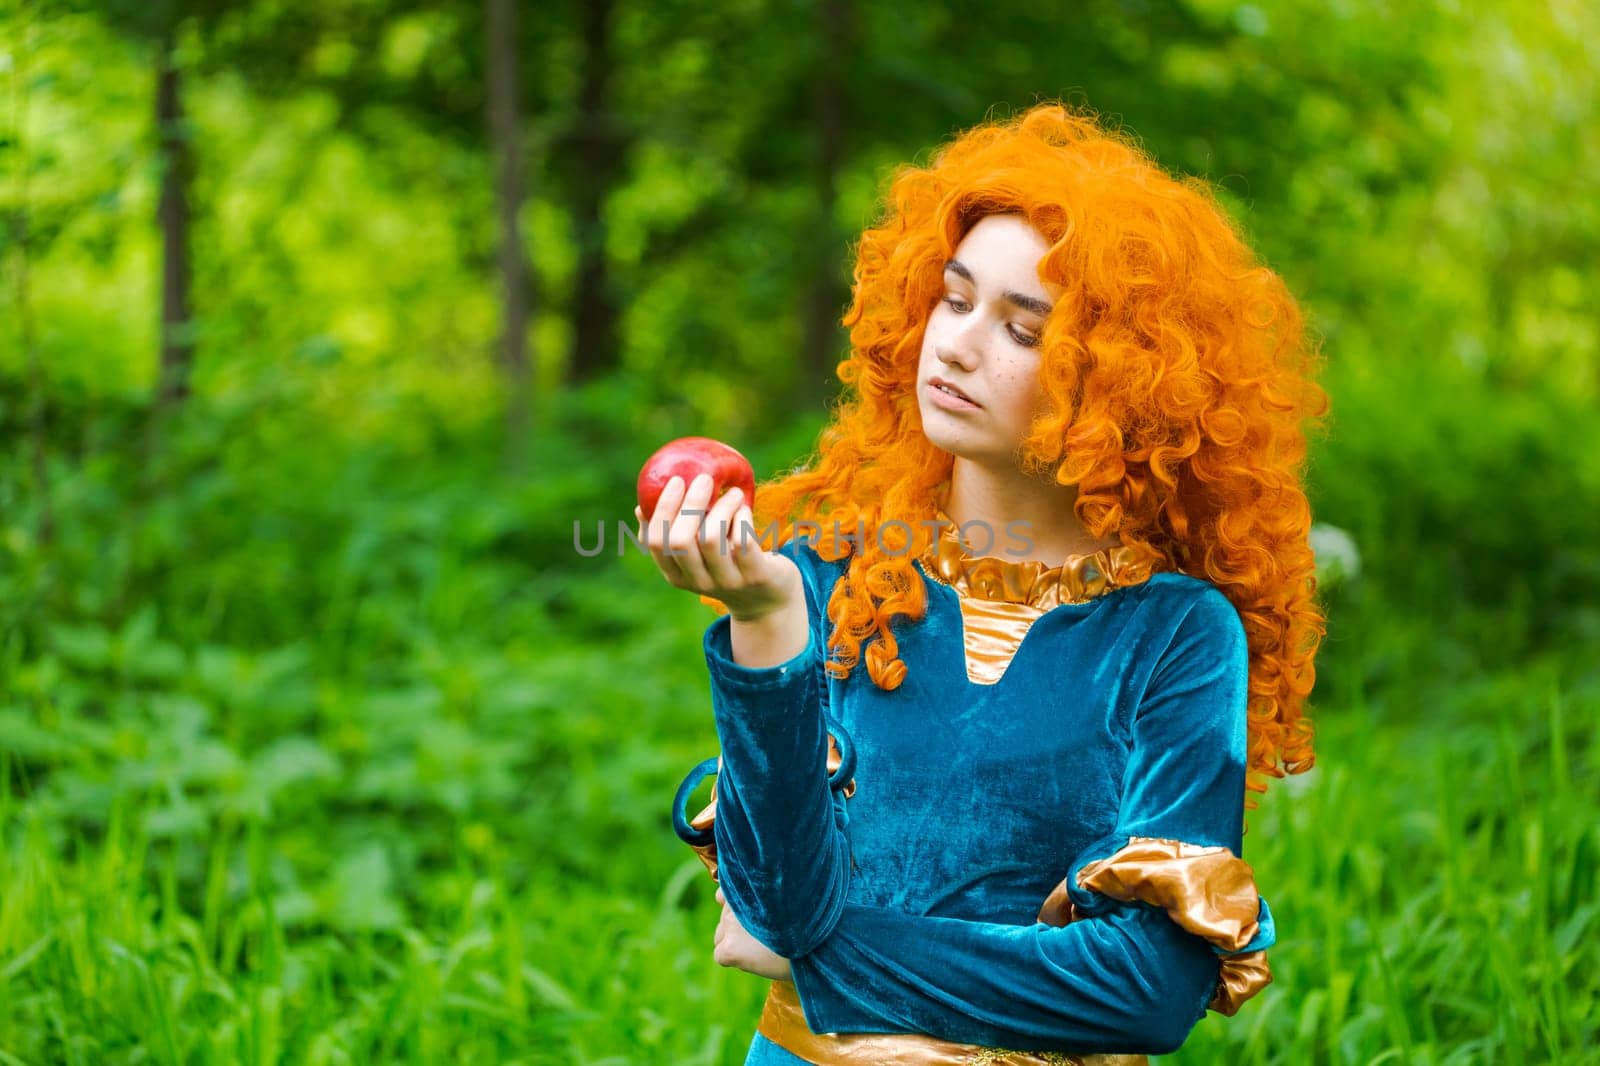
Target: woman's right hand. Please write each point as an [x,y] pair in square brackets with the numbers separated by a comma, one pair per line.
[716,553]
[732,945]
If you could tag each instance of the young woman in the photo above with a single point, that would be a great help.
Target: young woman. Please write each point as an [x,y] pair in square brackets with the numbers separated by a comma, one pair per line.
[1061,520]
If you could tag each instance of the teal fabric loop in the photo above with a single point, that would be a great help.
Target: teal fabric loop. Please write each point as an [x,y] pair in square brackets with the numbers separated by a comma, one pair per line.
[680,814]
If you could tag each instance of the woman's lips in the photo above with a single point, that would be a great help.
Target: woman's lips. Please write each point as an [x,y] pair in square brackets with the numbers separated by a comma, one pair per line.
[949,400]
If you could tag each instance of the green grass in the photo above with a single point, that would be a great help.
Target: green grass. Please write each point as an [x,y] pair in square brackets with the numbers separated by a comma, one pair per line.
[1434,882]
[170,897]
[342,755]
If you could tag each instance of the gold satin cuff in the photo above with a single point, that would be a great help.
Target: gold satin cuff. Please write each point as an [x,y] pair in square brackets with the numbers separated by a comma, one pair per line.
[1242,976]
[1208,891]
[783,1022]
[708,815]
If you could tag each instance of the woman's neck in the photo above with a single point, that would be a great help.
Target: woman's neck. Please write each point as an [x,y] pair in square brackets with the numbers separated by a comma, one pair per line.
[1019,510]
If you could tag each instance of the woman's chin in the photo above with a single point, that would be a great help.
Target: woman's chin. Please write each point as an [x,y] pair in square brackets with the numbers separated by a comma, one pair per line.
[943,441]
[937,427]
[964,448]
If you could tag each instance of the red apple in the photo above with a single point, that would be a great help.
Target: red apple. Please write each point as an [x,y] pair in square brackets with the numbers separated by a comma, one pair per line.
[689,456]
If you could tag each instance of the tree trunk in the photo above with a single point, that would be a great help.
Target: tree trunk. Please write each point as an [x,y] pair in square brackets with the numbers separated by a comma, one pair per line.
[825,295]
[177,169]
[595,309]
[506,142]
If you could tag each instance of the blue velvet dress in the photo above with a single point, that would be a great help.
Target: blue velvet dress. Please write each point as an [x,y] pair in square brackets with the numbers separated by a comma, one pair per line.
[913,906]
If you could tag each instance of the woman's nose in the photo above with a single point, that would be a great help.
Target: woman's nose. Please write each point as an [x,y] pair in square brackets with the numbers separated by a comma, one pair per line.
[961,345]
[957,353]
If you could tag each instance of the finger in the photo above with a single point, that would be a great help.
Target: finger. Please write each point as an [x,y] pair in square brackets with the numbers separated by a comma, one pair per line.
[691,514]
[683,540]
[667,504]
[669,568]
[717,541]
[642,528]
[655,532]
[746,551]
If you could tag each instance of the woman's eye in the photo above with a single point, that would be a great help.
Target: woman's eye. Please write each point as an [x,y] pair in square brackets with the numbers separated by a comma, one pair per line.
[960,307]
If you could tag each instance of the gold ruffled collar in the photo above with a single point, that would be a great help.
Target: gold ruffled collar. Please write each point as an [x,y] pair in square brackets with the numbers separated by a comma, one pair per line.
[1078,579]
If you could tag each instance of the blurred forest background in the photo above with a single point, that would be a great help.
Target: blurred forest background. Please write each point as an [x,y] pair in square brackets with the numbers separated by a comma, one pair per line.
[322,323]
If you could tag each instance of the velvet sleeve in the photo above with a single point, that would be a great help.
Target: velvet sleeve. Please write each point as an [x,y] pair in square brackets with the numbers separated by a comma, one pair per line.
[782,853]
[1126,977]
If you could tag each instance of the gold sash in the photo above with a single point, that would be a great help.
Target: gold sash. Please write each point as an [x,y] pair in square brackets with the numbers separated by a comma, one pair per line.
[784,1023]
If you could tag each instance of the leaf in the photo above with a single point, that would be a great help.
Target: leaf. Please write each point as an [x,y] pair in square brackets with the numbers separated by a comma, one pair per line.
[85,647]
[181,819]
[360,895]
[22,736]
[293,760]
[548,989]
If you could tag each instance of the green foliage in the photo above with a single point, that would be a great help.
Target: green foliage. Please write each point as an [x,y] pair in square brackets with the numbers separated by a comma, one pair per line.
[320,741]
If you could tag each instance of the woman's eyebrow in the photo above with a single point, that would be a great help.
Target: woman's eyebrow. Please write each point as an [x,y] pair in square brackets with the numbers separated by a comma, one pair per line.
[1027,303]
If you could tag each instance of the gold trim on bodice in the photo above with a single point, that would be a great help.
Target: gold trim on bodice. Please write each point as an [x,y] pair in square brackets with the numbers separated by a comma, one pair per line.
[783,1022]
[1000,598]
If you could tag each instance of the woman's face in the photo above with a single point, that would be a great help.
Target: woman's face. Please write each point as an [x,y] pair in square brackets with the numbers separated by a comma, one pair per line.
[982,340]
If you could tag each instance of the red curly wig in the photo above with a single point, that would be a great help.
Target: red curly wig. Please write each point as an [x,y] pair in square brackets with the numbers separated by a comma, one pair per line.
[1178,374]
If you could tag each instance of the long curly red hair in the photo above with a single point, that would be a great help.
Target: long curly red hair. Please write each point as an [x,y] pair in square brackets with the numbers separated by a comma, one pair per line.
[1179,376]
